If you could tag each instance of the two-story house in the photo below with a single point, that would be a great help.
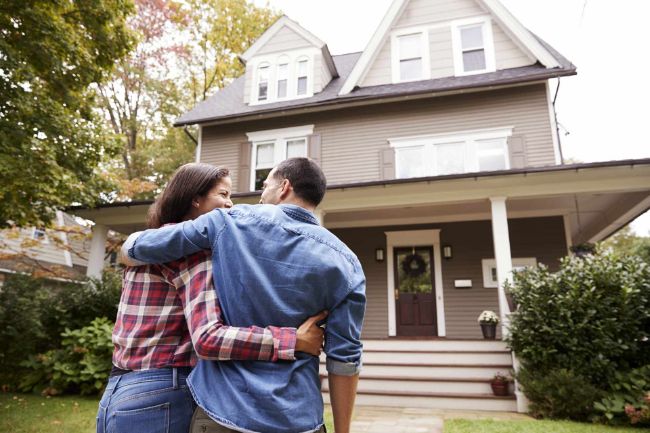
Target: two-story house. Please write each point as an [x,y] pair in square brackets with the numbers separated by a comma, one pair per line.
[440,146]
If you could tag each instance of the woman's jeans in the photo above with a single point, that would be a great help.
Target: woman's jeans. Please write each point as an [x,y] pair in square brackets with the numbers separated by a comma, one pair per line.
[150,401]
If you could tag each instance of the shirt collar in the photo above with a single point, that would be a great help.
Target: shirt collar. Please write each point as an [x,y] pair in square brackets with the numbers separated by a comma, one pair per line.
[299,213]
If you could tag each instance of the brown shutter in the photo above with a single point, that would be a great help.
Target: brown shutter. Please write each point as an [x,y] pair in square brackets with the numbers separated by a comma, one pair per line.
[244,174]
[387,164]
[314,148]
[517,149]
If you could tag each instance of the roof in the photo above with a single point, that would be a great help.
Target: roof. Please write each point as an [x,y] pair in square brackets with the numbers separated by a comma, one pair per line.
[228,103]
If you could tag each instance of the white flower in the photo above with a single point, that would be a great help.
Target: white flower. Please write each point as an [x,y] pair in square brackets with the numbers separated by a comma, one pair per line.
[488,316]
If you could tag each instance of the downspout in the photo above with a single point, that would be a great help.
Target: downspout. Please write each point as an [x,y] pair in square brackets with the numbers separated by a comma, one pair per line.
[557,125]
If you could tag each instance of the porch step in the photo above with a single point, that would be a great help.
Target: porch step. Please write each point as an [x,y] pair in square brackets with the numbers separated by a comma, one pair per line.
[422,386]
[435,345]
[434,401]
[436,357]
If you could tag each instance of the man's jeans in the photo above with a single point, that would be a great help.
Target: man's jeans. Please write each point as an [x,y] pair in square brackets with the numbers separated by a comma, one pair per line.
[150,401]
[202,423]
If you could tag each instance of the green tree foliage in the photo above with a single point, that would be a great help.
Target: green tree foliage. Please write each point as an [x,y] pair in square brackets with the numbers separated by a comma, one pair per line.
[625,242]
[51,51]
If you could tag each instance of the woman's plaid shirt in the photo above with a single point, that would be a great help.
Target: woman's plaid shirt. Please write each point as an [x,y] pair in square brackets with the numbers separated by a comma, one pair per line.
[166,310]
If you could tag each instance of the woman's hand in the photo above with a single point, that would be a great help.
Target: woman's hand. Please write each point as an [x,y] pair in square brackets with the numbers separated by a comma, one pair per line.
[310,336]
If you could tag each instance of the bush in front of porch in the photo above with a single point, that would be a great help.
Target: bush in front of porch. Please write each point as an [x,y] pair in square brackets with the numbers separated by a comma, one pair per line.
[581,335]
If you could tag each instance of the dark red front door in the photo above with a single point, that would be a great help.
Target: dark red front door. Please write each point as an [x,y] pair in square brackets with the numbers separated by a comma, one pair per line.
[415,301]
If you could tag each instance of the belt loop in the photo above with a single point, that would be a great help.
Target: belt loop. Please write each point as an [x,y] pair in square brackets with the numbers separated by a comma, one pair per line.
[175,377]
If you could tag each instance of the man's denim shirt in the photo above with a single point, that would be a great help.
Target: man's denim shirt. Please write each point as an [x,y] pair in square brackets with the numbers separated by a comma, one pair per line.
[273,265]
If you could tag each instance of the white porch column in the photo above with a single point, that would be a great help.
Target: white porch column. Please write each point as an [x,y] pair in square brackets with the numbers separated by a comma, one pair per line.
[97,251]
[502,256]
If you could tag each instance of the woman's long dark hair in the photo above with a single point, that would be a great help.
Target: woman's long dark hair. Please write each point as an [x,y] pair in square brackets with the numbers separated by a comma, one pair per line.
[190,181]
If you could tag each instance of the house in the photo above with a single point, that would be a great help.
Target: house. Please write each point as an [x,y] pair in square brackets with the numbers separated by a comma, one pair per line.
[440,145]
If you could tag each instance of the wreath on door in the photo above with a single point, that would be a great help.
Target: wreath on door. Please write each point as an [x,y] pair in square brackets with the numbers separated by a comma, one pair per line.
[414,265]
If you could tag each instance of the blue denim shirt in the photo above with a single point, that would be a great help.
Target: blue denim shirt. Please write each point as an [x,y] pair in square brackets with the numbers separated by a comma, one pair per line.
[273,265]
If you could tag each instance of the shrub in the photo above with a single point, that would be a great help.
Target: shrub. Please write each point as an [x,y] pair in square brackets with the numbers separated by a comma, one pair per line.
[628,398]
[558,394]
[584,325]
[82,364]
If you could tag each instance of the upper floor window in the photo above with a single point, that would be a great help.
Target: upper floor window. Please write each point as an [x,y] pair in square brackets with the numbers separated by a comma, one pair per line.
[283,80]
[39,234]
[263,82]
[452,154]
[302,77]
[410,55]
[274,146]
[473,46]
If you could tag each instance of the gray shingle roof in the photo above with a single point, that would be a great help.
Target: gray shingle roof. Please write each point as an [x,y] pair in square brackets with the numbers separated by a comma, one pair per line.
[228,103]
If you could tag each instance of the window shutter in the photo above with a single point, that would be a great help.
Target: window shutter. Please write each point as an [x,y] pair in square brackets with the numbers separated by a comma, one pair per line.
[244,175]
[314,148]
[387,164]
[517,150]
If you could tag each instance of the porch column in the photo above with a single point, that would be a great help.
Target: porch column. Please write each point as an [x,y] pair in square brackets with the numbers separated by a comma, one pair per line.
[97,251]
[502,256]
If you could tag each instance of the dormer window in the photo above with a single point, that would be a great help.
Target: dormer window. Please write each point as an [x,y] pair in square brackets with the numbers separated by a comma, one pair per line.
[410,55]
[283,80]
[302,77]
[263,82]
[473,46]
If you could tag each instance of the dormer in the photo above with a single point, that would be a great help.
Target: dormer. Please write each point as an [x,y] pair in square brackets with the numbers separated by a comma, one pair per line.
[287,62]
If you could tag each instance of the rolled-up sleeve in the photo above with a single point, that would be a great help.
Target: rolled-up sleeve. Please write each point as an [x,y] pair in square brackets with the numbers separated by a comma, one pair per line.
[343,333]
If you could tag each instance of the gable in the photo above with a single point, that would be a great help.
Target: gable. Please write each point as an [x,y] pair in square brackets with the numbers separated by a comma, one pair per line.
[284,40]
[438,24]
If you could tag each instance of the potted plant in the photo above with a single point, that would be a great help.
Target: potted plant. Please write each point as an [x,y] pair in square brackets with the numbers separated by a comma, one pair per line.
[488,321]
[500,383]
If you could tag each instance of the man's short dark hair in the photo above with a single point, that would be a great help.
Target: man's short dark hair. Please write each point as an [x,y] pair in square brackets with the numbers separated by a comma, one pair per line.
[306,177]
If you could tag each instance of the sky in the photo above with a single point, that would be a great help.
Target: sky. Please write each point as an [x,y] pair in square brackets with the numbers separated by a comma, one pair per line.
[603,111]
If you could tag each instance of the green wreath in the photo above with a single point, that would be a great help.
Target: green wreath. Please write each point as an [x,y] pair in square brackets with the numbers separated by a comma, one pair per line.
[414,265]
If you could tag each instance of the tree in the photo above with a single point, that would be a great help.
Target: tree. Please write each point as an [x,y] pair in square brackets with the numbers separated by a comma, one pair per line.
[625,243]
[51,51]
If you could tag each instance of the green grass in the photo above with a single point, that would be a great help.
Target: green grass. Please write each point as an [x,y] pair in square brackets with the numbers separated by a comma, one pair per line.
[26,413]
[531,426]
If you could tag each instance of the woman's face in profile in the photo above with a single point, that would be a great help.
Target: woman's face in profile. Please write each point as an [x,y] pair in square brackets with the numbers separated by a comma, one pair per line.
[217,197]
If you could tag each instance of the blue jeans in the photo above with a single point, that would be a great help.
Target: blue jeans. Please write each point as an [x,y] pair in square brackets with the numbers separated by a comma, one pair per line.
[150,401]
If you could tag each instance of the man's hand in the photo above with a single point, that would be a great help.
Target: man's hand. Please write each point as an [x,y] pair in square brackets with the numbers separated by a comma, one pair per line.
[310,336]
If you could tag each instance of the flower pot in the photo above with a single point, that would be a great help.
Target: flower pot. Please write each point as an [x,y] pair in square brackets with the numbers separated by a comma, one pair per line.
[489,330]
[499,387]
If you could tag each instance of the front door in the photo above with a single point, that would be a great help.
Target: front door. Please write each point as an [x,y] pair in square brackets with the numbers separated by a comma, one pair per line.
[415,301]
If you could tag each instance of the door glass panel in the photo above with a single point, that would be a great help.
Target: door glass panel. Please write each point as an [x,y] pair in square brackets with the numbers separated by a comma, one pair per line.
[414,270]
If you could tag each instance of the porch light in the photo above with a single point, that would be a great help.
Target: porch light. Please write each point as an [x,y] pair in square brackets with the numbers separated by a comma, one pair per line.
[379,254]
[446,252]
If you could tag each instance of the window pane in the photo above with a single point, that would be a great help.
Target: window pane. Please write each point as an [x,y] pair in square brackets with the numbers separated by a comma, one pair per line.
[282,88]
[450,158]
[472,37]
[260,177]
[410,69]
[474,60]
[410,162]
[263,86]
[409,46]
[283,75]
[302,68]
[283,71]
[296,148]
[264,155]
[302,86]
[491,155]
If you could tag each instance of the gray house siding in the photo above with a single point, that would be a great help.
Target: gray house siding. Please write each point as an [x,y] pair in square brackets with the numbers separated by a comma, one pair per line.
[542,238]
[353,140]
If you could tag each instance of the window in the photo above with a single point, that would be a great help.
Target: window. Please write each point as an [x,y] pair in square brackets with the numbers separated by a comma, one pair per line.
[283,80]
[274,146]
[489,266]
[40,235]
[460,153]
[302,75]
[263,82]
[473,46]
[410,57]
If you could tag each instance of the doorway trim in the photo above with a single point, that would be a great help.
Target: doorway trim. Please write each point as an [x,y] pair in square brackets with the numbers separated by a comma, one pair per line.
[415,238]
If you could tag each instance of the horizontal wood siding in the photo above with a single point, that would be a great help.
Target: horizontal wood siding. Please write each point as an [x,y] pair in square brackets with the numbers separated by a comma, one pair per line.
[284,40]
[380,70]
[421,12]
[43,251]
[542,238]
[248,77]
[354,139]
[507,54]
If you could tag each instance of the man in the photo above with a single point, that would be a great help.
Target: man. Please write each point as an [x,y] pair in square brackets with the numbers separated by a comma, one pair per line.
[274,265]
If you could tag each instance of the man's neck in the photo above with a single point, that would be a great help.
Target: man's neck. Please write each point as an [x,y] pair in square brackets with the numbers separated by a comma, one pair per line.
[299,203]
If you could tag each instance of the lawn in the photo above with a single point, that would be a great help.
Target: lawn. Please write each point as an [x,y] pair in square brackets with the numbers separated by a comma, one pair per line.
[530,426]
[26,413]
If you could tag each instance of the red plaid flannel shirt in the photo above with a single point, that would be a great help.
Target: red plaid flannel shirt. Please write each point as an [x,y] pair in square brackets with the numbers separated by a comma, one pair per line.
[166,310]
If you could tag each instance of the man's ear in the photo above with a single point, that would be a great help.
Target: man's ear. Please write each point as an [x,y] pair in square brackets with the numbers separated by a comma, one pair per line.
[285,189]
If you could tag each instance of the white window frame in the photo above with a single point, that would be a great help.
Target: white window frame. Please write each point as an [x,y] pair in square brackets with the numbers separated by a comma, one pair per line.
[488,44]
[273,61]
[490,264]
[282,60]
[470,138]
[269,82]
[395,54]
[309,76]
[44,240]
[279,138]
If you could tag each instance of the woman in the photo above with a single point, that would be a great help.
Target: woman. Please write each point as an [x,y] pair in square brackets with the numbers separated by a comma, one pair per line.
[169,313]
